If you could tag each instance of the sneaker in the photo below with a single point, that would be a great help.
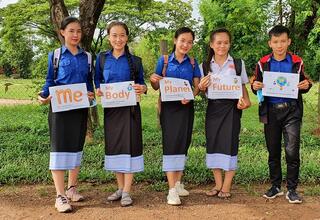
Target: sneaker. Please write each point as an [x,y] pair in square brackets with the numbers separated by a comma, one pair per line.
[293,197]
[126,199]
[73,194]
[272,193]
[62,204]
[180,189]
[115,196]
[173,197]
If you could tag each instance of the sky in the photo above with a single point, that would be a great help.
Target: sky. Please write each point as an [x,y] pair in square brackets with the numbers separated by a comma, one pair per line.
[195,4]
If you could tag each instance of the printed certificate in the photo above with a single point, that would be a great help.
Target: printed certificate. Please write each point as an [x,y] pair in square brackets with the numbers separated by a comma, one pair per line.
[68,97]
[279,84]
[224,87]
[118,94]
[174,89]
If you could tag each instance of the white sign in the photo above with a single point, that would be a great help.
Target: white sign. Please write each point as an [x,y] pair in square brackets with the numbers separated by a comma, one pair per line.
[68,97]
[224,87]
[174,89]
[118,94]
[278,84]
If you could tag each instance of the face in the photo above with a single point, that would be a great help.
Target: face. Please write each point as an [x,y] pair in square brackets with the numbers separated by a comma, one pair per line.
[72,34]
[220,44]
[118,37]
[279,44]
[183,43]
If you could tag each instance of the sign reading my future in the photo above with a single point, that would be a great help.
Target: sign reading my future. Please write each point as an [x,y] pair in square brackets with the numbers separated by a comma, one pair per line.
[118,94]
[279,84]
[174,89]
[224,87]
[69,97]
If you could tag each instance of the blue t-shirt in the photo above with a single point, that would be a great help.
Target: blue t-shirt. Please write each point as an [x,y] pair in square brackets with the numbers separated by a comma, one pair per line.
[285,66]
[115,70]
[183,70]
[72,69]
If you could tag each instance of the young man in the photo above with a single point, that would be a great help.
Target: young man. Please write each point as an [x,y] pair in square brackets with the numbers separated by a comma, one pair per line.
[281,116]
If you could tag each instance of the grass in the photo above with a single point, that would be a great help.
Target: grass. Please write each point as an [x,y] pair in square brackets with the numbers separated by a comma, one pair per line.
[24,147]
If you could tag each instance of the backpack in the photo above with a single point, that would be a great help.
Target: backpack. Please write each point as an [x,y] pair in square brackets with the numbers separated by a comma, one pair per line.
[136,61]
[237,66]
[56,61]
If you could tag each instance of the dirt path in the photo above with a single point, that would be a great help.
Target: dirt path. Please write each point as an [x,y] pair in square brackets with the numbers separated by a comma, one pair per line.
[15,102]
[36,202]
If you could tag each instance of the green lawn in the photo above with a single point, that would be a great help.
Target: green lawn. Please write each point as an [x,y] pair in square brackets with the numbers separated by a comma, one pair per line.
[24,146]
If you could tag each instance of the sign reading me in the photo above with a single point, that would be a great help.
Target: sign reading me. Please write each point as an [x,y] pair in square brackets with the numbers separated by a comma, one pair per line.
[68,97]
[174,89]
[118,94]
[224,87]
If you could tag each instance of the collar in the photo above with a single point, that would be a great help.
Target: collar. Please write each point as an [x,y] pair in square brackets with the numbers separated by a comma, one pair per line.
[229,58]
[172,56]
[287,58]
[64,49]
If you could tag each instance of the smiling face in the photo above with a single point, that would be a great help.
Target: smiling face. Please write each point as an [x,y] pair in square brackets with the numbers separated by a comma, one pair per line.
[279,45]
[118,37]
[183,43]
[220,44]
[72,34]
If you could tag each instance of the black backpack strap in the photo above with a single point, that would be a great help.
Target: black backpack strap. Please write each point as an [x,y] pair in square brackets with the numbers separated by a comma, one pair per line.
[238,66]
[137,61]
[102,60]
[205,68]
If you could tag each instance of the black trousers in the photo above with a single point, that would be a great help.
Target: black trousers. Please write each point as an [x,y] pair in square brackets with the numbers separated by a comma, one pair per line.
[286,122]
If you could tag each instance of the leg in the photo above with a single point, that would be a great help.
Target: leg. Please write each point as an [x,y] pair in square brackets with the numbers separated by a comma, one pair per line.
[58,179]
[273,140]
[226,187]
[179,175]
[73,177]
[292,146]
[217,173]
[120,180]
[172,178]
[128,177]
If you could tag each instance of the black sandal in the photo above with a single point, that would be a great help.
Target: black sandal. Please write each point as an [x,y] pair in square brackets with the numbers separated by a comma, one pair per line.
[213,192]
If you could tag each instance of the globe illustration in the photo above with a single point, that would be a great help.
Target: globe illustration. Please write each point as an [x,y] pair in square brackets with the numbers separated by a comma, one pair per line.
[281,81]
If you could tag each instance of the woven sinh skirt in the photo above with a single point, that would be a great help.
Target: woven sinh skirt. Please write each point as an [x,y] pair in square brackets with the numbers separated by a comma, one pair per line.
[222,134]
[123,139]
[67,135]
[176,123]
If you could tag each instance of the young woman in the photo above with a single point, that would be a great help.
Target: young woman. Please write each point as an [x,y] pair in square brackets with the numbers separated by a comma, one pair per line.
[177,117]
[122,125]
[67,129]
[223,115]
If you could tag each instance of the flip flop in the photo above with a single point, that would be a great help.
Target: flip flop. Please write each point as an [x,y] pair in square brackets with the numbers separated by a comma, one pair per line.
[224,195]
[213,192]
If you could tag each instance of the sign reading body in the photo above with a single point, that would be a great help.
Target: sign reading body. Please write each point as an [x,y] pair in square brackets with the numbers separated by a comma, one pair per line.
[174,89]
[68,97]
[118,94]
[279,84]
[224,87]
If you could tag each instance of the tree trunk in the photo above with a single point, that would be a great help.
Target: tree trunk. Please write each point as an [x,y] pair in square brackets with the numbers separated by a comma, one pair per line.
[58,12]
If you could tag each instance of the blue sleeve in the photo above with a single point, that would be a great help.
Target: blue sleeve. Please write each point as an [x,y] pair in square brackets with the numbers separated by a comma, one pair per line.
[50,77]
[160,66]
[196,72]
[98,74]
[89,79]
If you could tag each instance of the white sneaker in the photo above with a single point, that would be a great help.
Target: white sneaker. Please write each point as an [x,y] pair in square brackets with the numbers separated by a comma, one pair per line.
[180,189]
[62,204]
[173,197]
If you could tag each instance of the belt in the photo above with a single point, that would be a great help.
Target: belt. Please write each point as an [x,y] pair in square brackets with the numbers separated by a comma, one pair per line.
[282,105]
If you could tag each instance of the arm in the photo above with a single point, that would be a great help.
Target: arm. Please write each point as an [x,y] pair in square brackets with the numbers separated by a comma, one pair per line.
[98,76]
[155,77]
[44,96]
[257,80]
[140,87]
[305,83]
[244,102]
